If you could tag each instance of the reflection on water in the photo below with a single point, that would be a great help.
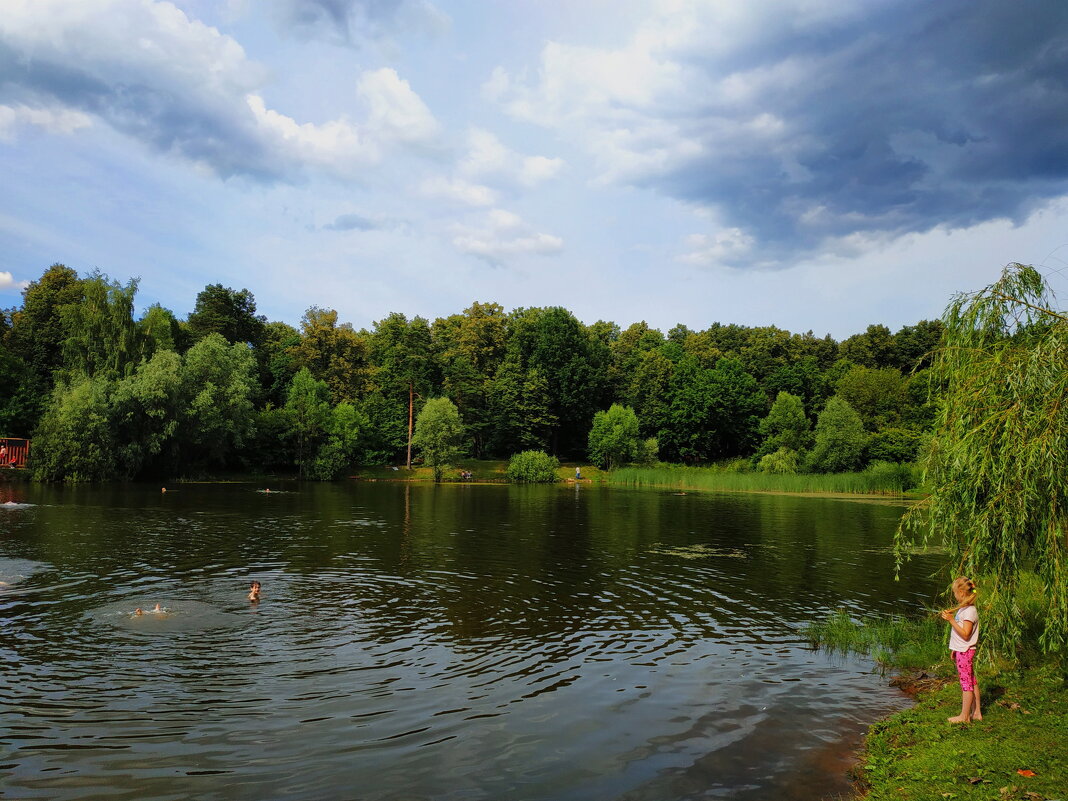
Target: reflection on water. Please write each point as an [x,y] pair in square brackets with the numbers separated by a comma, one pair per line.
[455,642]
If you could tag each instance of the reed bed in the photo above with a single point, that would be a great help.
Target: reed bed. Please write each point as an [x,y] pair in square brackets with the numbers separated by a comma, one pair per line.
[880,481]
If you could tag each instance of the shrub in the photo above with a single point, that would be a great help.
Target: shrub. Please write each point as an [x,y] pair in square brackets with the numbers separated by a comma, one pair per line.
[893,475]
[648,451]
[533,467]
[782,461]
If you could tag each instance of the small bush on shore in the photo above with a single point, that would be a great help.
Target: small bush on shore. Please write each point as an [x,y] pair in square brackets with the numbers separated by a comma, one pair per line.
[533,467]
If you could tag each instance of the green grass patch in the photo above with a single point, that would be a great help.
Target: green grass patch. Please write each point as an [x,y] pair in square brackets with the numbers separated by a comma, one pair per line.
[916,755]
[868,482]
[893,642]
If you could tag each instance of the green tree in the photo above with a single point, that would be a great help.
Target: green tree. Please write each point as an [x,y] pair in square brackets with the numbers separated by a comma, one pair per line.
[999,452]
[227,312]
[786,426]
[75,438]
[438,434]
[219,382]
[402,352]
[876,394]
[341,444]
[614,438]
[713,413]
[37,332]
[309,412]
[101,335]
[159,330]
[782,461]
[840,439]
[333,353]
[520,409]
[144,412]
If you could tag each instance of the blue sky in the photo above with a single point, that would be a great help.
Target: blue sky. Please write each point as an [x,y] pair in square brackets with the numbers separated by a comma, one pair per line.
[813,164]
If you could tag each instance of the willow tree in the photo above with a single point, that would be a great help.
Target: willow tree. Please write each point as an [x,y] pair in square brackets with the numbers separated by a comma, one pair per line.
[998,459]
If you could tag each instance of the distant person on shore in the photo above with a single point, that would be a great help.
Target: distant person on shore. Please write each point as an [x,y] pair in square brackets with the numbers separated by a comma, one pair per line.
[963,639]
[578,474]
[254,592]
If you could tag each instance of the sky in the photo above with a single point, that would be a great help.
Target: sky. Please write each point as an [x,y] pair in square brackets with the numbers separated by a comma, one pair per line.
[812,164]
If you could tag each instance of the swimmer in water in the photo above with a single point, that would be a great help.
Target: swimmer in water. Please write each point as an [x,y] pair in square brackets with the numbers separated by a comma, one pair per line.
[138,612]
[254,592]
[159,610]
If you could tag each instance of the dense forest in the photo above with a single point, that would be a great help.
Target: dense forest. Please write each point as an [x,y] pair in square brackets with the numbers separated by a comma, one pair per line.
[106,394]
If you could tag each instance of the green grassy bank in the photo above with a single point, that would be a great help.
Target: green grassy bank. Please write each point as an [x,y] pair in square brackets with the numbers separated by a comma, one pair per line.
[882,479]
[915,755]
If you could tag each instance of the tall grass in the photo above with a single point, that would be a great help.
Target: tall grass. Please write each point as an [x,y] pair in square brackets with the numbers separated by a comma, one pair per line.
[881,479]
[894,642]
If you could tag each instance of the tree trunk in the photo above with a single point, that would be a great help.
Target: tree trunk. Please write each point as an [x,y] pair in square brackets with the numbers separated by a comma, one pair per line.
[411,398]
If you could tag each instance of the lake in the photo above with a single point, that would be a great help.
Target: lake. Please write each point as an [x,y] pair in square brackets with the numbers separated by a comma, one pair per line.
[563,643]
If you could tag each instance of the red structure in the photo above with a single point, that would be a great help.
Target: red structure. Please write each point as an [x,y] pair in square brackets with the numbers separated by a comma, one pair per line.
[14,452]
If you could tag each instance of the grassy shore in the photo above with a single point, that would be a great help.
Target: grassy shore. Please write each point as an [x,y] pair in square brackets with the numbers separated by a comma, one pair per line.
[915,755]
[879,480]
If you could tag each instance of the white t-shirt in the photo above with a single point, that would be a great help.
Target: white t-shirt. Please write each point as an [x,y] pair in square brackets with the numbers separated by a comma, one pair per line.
[958,643]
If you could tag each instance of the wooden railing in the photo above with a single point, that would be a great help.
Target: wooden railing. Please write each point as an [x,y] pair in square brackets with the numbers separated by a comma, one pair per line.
[14,452]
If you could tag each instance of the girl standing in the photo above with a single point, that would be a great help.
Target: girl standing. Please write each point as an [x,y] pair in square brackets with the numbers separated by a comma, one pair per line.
[964,620]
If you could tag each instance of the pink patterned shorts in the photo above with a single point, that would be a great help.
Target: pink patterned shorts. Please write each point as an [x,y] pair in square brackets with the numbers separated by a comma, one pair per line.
[965,669]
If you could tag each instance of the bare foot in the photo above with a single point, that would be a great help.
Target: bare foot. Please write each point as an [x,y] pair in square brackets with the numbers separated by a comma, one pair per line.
[977,716]
[957,719]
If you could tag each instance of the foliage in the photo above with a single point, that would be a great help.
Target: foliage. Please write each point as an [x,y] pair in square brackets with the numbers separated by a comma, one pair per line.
[533,467]
[613,439]
[840,439]
[895,445]
[783,461]
[341,444]
[999,452]
[217,416]
[786,426]
[713,413]
[75,439]
[308,410]
[648,451]
[227,312]
[438,434]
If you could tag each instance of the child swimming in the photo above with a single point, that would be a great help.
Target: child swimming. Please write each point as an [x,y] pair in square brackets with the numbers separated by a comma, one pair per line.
[254,591]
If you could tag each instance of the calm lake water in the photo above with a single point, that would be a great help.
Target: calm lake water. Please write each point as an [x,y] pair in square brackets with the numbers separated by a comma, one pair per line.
[420,642]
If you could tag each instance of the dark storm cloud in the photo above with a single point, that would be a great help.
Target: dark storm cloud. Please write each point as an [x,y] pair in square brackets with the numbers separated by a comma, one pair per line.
[170,116]
[914,115]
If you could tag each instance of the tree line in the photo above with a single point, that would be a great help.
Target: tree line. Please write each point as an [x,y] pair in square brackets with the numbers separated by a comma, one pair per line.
[106,394]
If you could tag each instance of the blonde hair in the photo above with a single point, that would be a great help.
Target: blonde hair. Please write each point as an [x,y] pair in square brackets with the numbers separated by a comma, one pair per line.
[967,587]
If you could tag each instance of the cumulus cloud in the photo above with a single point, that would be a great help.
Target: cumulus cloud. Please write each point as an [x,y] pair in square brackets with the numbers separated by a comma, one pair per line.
[503,236]
[355,21]
[488,159]
[803,125]
[7,282]
[183,88]
[53,120]
[459,190]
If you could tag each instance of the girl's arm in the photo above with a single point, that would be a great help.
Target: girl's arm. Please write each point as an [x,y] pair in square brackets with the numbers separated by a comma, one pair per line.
[963,629]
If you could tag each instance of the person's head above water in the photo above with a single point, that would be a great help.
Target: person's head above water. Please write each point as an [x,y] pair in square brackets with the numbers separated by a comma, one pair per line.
[254,591]
[138,612]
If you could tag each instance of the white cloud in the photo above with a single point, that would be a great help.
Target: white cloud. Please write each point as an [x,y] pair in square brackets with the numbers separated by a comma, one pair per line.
[7,282]
[396,112]
[53,120]
[721,249]
[503,237]
[183,88]
[488,159]
[459,190]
